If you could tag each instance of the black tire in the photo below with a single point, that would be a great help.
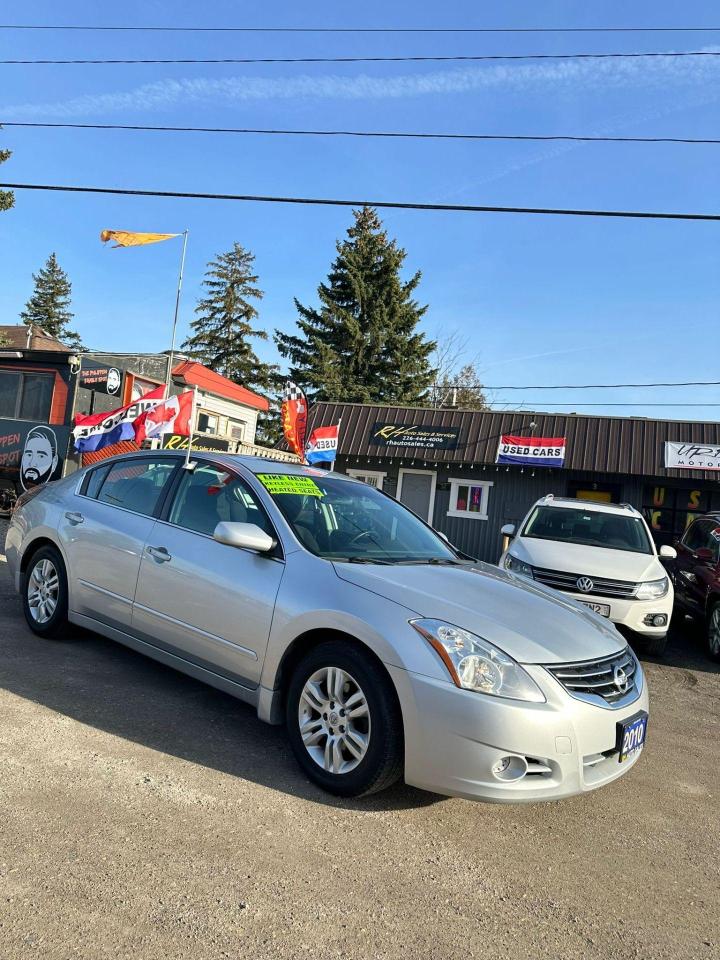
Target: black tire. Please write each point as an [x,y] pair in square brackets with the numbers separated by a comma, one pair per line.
[655,646]
[712,639]
[382,763]
[55,627]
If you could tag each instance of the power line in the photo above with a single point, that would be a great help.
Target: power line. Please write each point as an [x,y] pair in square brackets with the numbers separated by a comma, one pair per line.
[360,133]
[470,30]
[402,59]
[379,204]
[582,386]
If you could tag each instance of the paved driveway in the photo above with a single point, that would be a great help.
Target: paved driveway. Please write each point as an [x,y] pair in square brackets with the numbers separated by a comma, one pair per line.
[143,815]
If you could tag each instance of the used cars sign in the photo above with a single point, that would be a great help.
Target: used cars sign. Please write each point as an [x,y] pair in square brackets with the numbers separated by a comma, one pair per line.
[531,451]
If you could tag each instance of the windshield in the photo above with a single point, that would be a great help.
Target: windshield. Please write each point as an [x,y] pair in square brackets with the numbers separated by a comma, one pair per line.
[588,527]
[347,520]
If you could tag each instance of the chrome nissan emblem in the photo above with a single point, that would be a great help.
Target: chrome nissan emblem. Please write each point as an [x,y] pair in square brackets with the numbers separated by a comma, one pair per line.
[585,584]
[620,678]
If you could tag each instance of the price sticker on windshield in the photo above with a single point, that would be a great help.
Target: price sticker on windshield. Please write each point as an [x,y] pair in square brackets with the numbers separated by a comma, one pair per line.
[277,483]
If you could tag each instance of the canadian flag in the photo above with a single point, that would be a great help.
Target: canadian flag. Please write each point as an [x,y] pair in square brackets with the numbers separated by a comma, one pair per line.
[171,416]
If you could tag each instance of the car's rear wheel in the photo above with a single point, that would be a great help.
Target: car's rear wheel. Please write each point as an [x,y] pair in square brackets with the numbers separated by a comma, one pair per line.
[344,721]
[713,633]
[45,594]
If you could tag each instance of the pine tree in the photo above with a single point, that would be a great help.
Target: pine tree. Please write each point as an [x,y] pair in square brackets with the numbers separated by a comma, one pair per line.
[49,306]
[223,330]
[7,198]
[362,344]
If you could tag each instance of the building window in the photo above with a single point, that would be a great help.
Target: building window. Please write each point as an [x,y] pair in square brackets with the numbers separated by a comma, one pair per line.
[373,478]
[139,386]
[26,396]
[469,498]
[207,423]
[236,429]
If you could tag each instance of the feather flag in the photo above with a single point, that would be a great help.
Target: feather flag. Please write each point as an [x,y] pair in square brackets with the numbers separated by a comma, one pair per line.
[127,238]
[97,430]
[294,418]
[171,416]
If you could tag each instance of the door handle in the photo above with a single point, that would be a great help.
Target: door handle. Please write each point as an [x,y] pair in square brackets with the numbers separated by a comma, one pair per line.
[159,553]
[75,518]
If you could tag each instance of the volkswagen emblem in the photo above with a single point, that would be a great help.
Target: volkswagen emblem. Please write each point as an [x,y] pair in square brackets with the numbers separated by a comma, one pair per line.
[620,679]
[585,584]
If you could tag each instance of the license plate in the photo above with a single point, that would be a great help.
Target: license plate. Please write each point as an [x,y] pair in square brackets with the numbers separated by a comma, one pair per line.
[603,609]
[631,735]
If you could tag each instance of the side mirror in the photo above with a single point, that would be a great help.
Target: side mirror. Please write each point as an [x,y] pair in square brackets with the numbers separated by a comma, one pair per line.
[508,530]
[248,536]
[667,552]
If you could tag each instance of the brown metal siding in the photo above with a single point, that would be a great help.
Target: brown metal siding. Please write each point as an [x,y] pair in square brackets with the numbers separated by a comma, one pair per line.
[598,444]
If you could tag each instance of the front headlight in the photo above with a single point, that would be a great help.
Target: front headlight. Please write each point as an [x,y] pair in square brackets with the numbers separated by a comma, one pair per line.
[475,664]
[652,589]
[518,566]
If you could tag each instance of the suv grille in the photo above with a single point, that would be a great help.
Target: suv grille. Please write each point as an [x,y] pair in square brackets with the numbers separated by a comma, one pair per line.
[611,679]
[601,587]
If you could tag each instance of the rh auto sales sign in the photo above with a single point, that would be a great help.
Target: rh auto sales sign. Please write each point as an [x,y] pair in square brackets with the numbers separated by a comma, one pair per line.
[414,435]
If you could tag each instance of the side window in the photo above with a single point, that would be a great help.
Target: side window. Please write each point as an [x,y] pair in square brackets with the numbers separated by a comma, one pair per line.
[136,484]
[93,481]
[697,535]
[210,494]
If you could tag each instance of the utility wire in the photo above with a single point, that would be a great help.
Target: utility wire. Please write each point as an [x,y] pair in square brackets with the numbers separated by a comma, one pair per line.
[379,204]
[359,133]
[581,386]
[403,59]
[223,29]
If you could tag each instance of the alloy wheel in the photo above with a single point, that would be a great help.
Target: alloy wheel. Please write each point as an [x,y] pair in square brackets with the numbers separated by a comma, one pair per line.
[43,591]
[714,632]
[334,720]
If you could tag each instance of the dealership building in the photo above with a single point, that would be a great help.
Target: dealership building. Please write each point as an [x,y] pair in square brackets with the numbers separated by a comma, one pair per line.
[468,473]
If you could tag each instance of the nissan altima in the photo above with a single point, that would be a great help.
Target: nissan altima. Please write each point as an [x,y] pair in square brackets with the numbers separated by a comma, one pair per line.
[330,607]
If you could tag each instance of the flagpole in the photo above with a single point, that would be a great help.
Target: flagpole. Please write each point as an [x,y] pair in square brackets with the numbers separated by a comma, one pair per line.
[171,358]
[186,465]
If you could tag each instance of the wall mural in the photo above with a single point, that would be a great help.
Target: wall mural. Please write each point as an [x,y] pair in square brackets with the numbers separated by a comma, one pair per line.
[31,453]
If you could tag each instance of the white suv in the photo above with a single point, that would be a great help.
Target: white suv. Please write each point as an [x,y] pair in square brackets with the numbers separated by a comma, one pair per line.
[600,554]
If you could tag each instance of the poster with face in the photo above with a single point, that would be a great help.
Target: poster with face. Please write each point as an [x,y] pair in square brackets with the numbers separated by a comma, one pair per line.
[31,453]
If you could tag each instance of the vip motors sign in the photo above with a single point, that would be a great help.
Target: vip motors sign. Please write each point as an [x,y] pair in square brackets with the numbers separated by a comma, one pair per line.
[692,456]
[531,451]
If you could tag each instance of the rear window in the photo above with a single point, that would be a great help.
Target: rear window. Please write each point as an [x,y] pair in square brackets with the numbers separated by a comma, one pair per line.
[590,528]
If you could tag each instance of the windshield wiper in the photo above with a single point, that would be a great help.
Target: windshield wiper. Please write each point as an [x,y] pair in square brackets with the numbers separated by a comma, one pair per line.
[361,560]
[435,561]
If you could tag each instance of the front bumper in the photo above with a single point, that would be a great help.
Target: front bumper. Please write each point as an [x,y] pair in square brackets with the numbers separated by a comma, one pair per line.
[631,614]
[454,737]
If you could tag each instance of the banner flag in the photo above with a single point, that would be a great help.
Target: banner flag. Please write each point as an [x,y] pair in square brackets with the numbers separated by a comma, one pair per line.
[294,418]
[97,430]
[531,451]
[127,238]
[171,416]
[322,445]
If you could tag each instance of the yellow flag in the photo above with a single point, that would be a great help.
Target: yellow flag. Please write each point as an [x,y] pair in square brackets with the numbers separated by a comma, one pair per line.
[126,238]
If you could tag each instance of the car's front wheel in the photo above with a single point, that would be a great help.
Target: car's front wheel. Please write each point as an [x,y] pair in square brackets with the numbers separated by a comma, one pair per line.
[344,720]
[713,633]
[45,593]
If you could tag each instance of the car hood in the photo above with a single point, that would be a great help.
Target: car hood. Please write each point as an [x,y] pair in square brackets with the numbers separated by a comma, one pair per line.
[530,622]
[589,561]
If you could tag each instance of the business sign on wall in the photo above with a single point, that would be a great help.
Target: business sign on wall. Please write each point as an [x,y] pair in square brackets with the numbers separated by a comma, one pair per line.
[31,453]
[691,456]
[531,451]
[100,377]
[171,441]
[414,435]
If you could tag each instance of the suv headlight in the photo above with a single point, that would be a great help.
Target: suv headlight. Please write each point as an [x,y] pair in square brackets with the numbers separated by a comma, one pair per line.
[652,589]
[475,664]
[518,566]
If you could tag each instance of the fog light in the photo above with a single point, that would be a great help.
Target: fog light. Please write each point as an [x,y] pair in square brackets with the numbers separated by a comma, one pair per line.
[656,620]
[510,768]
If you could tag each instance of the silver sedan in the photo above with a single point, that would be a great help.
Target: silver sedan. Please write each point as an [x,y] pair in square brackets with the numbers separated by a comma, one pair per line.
[332,608]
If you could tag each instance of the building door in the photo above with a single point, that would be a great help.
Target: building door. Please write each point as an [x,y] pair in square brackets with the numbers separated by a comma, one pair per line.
[416,489]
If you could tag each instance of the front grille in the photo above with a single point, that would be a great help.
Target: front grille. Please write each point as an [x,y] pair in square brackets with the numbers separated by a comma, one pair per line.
[593,679]
[601,586]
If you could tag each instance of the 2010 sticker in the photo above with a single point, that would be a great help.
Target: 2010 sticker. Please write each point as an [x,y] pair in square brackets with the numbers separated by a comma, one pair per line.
[277,483]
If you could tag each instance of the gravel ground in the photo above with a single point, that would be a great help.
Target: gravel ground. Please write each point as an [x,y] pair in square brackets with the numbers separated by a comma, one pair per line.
[143,815]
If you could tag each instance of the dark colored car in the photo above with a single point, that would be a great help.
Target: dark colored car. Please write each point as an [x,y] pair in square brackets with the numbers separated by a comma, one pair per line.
[696,577]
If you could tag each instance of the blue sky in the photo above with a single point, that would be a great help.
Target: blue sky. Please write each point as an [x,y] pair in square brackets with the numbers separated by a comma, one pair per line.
[540,300]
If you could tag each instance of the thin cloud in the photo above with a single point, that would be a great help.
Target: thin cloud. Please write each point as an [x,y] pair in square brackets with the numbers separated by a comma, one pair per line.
[165,94]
